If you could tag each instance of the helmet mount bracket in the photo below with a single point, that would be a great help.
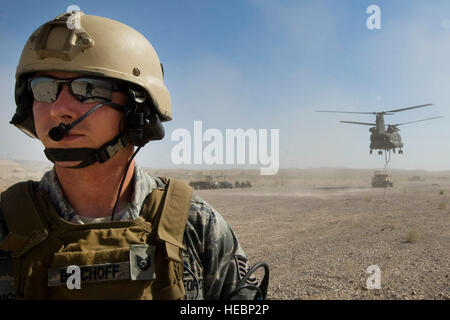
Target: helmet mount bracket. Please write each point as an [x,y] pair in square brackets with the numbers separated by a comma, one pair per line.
[48,44]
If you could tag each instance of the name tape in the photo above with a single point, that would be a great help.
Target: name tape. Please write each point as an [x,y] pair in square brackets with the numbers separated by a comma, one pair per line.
[92,273]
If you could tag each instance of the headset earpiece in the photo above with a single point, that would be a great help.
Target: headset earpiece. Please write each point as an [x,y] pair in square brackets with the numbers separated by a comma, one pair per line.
[141,123]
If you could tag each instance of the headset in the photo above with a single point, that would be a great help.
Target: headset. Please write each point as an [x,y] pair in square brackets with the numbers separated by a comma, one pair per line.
[141,125]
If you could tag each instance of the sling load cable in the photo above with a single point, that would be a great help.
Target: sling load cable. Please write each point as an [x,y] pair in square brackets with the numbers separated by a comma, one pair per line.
[386,166]
[387,160]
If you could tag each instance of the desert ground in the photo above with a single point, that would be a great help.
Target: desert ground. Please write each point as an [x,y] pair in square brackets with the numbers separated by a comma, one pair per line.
[320,229]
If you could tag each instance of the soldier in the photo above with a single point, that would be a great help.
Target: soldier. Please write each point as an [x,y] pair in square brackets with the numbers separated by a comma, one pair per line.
[94,95]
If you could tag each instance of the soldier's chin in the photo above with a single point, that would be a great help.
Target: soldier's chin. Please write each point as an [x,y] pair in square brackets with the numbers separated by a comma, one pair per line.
[67,164]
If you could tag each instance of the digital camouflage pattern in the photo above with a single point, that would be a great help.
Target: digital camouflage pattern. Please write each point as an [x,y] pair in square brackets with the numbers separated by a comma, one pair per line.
[212,250]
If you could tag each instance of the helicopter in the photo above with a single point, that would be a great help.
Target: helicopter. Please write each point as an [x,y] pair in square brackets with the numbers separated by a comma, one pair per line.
[382,138]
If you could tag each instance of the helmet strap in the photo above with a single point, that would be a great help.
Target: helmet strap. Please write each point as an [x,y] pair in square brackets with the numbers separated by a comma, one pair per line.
[88,156]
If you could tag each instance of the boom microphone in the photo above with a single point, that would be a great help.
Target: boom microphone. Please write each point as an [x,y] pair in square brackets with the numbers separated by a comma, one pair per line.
[58,133]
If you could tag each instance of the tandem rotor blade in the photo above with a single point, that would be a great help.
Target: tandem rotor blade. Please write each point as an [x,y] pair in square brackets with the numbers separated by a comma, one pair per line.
[414,107]
[344,112]
[363,123]
[399,124]
[390,112]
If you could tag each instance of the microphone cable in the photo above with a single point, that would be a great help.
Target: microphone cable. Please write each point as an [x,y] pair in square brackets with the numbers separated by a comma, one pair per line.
[197,283]
[57,133]
[121,183]
[261,289]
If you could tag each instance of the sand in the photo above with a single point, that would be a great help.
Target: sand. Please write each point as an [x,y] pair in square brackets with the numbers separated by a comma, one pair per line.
[320,230]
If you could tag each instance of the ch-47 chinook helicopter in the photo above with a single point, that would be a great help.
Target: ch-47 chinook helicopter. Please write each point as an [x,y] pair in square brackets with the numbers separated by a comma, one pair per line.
[382,138]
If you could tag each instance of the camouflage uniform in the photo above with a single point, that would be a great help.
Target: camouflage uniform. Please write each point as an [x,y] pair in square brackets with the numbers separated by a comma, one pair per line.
[212,251]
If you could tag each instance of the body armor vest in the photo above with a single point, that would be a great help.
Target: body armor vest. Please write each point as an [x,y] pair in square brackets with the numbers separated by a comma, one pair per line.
[137,259]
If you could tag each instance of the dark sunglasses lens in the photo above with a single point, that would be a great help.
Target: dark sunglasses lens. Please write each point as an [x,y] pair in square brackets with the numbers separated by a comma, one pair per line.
[44,89]
[92,90]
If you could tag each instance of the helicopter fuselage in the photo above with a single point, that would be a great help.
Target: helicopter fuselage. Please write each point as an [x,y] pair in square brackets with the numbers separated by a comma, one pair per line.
[385,140]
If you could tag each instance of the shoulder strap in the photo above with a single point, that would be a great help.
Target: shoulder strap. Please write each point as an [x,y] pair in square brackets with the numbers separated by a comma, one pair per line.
[168,210]
[22,218]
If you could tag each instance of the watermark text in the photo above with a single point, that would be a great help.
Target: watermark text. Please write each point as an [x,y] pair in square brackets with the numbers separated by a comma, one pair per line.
[239,146]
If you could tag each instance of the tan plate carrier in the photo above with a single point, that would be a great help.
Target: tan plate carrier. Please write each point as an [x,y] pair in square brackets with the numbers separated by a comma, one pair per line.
[40,240]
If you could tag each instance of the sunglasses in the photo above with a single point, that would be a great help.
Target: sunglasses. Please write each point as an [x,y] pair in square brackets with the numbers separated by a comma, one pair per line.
[84,89]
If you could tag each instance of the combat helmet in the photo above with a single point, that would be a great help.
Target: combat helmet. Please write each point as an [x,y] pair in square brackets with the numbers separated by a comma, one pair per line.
[94,46]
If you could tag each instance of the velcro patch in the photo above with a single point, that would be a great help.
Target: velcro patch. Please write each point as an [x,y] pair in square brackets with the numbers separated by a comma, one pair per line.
[92,273]
[142,262]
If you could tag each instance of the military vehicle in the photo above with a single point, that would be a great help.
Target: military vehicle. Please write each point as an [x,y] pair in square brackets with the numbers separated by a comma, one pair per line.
[211,183]
[381,180]
[382,138]
[207,183]
[225,185]
[243,184]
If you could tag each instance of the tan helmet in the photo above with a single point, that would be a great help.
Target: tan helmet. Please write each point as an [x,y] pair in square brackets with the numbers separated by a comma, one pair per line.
[92,45]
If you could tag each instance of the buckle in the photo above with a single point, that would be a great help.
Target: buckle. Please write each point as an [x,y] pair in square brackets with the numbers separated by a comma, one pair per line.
[113,149]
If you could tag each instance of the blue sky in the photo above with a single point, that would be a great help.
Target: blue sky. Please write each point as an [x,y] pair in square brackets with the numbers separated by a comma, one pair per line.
[269,64]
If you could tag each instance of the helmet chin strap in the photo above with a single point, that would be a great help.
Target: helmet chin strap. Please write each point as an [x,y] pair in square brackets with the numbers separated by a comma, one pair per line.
[88,156]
